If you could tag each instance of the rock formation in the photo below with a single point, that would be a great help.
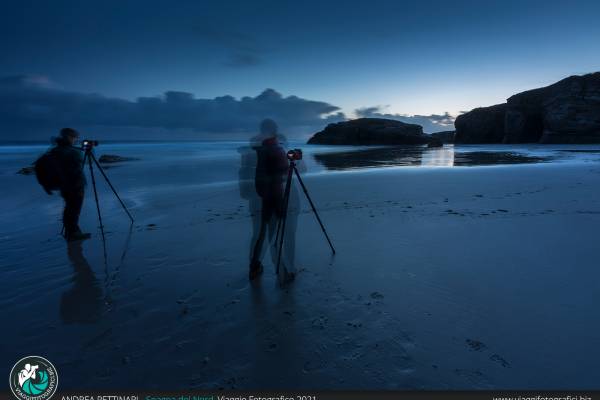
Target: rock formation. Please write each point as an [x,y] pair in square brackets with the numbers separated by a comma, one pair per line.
[565,112]
[370,131]
[481,125]
[444,136]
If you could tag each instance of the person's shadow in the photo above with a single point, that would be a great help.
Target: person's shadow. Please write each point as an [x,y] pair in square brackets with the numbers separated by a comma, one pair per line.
[81,303]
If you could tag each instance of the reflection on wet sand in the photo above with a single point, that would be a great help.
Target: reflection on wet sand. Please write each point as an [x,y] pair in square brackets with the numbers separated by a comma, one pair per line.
[371,158]
[495,158]
[394,156]
[438,157]
[83,302]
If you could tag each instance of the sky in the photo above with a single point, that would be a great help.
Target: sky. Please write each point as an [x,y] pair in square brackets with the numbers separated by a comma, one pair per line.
[217,67]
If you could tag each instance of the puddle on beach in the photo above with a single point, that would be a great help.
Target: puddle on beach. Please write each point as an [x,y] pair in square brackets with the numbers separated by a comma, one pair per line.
[421,156]
[494,158]
[581,151]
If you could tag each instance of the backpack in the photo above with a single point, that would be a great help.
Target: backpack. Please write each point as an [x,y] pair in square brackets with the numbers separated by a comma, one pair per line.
[48,171]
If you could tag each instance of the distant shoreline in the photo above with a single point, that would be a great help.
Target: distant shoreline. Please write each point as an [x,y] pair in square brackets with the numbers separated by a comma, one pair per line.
[132,141]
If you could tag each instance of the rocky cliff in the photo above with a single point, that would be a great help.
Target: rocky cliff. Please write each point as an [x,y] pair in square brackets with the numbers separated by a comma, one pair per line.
[481,125]
[565,112]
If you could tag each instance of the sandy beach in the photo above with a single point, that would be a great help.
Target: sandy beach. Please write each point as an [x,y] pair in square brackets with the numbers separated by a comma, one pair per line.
[463,277]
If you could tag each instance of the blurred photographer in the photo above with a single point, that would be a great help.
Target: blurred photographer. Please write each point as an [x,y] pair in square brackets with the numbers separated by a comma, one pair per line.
[64,168]
[271,171]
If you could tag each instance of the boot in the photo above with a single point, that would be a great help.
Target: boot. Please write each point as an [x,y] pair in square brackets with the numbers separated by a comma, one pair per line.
[77,235]
[256,268]
[284,277]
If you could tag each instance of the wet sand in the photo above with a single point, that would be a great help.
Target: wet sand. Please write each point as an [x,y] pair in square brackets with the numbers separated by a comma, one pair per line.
[461,278]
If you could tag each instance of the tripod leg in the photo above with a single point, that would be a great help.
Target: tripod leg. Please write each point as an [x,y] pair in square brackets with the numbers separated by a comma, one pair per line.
[286,198]
[278,231]
[85,157]
[96,196]
[287,183]
[278,228]
[314,209]
[111,186]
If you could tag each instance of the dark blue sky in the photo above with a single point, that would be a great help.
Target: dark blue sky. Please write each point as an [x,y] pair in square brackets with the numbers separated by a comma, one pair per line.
[426,57]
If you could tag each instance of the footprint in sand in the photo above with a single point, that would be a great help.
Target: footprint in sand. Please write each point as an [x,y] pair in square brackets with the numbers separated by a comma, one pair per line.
[320,323]
[376,296]
[500,360]
[476,345]
[354,323]
[272,347]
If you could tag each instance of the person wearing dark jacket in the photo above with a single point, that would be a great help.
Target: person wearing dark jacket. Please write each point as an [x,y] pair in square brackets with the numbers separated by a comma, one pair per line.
[70,160]
[271,171]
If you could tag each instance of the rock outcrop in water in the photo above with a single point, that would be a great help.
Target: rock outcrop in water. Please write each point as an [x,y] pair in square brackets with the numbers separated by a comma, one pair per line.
[565,112]
[435,142]
[370,131]
[444,136]
[26,171]
[111,158]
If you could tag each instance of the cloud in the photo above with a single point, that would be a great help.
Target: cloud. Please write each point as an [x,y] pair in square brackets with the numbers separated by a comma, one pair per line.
[430,123]
[243,49]
[33,106]
[27,81]
[243,60]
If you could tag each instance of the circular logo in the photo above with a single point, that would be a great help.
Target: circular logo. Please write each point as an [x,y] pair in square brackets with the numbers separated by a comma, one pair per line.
[33,378]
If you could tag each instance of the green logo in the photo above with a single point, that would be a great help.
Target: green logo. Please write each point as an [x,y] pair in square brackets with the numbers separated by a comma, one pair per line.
[33,387]
[33,378]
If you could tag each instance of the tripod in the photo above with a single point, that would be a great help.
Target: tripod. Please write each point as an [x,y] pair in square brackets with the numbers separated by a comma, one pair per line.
[89,157]
[286,197]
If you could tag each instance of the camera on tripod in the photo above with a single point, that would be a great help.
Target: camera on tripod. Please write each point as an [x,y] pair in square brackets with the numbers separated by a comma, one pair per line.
[89,144]
[90,159]
[294,154]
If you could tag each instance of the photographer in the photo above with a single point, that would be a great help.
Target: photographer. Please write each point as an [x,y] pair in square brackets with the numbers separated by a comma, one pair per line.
[72,181]
[271,170]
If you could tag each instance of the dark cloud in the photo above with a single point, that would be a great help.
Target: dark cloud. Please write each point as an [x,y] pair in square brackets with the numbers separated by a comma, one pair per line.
[35,104]
[243,60]
[430,123]
[243,49]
